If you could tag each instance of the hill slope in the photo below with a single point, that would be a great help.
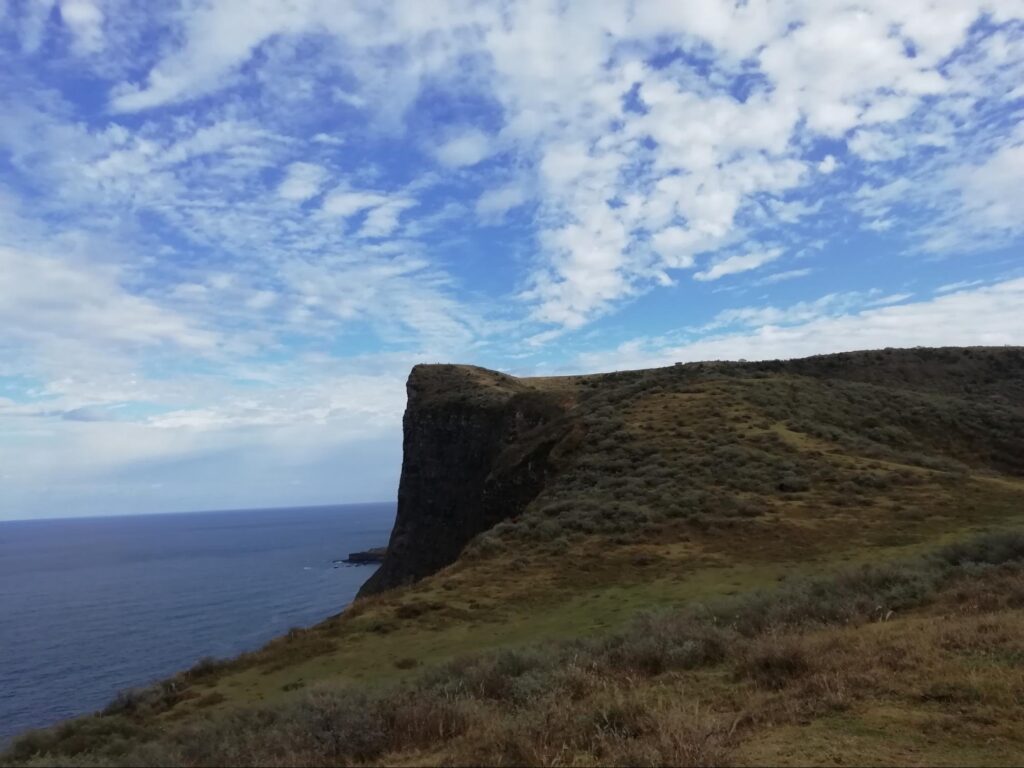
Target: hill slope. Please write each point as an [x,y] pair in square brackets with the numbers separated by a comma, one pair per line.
[536,511]
[707,443]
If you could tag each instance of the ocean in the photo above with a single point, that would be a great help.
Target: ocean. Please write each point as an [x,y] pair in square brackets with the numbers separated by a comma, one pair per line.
[92,606]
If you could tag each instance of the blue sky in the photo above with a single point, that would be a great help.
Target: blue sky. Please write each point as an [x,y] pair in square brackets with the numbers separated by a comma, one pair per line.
[228,229]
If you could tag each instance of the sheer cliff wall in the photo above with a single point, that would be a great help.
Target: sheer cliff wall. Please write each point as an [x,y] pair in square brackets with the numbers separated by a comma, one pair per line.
[478,447]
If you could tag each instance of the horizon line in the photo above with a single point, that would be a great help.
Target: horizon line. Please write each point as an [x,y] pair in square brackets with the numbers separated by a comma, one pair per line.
[232,510]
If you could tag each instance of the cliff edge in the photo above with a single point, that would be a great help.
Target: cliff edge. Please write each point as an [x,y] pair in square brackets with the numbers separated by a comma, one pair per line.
[478,447]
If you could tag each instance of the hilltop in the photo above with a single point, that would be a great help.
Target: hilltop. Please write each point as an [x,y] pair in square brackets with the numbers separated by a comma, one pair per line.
[749,447]
[714,562]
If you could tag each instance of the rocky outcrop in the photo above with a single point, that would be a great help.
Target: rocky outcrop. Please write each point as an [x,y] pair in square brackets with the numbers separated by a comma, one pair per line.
[478,447]
[366,557]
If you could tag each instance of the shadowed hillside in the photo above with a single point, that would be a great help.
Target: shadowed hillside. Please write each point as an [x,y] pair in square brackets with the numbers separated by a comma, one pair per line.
[706,563]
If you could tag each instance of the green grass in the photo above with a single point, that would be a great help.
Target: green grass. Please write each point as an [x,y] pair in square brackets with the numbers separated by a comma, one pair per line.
[859,657]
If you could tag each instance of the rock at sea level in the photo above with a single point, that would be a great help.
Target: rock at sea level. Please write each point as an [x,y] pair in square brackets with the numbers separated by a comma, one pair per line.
[375,555]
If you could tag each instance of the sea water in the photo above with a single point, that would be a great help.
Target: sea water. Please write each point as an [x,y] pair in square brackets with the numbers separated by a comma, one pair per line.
[89,607]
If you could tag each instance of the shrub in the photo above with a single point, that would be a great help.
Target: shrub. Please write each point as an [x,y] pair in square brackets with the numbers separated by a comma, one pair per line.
[76,737]
[619,719]
[414,609]
[988,549]
[660,643]
[421,718]
[859,594]
[204,668]
[793,484]
[773,662]
[681,737]
[153,699]
[485,677]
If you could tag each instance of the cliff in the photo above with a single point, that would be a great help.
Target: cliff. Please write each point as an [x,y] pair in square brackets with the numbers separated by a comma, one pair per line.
[478,447]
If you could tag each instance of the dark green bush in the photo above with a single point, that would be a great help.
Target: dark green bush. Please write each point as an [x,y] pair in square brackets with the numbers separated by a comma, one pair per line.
[988,549]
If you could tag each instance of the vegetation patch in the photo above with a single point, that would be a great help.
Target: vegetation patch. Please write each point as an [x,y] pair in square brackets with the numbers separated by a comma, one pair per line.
[693,686]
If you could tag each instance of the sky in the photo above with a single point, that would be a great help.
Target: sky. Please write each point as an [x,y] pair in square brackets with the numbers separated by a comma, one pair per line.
[228,229]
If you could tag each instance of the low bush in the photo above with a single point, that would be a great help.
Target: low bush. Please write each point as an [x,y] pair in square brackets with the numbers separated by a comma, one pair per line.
[774,662]
[793,484]
[988,549]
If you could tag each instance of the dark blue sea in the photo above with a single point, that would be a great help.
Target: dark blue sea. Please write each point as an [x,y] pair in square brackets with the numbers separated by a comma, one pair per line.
[89,607]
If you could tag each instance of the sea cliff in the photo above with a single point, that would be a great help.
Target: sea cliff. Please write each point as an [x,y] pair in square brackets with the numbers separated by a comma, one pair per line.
[478,447]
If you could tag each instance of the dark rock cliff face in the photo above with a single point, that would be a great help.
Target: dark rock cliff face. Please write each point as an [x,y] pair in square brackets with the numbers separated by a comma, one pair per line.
[478,447]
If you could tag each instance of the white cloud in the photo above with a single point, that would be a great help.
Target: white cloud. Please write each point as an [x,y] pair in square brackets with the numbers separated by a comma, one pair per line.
[221,281]
[983,316]
[494,203]
[695,160]
[351,99]
[397,292]
[587,258]
[789,274]
[33,23]
[382,212]
[957,286]
[791,212]
[365,402]
[800,312]
[675,245]
[85,20]
[467,148]
[190,291]
[836,63]
[304,441]
[991,192]
[879,225]
[43,298]
[329,140]
[346,202]
[218,38]
[383,220]
[261,300]
[736,264]
[894,298]
[302,181]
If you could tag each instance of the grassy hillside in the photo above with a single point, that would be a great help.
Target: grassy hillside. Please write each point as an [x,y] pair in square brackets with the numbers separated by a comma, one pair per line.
[814,510]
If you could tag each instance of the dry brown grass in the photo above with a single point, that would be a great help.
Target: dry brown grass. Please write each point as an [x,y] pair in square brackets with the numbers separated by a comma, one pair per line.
[709,686]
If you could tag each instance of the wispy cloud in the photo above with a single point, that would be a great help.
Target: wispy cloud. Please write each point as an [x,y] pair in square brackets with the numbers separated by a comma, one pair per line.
[789,274]
[466,148]
[45,299]
[735,264]
[992,316]
[302,181]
